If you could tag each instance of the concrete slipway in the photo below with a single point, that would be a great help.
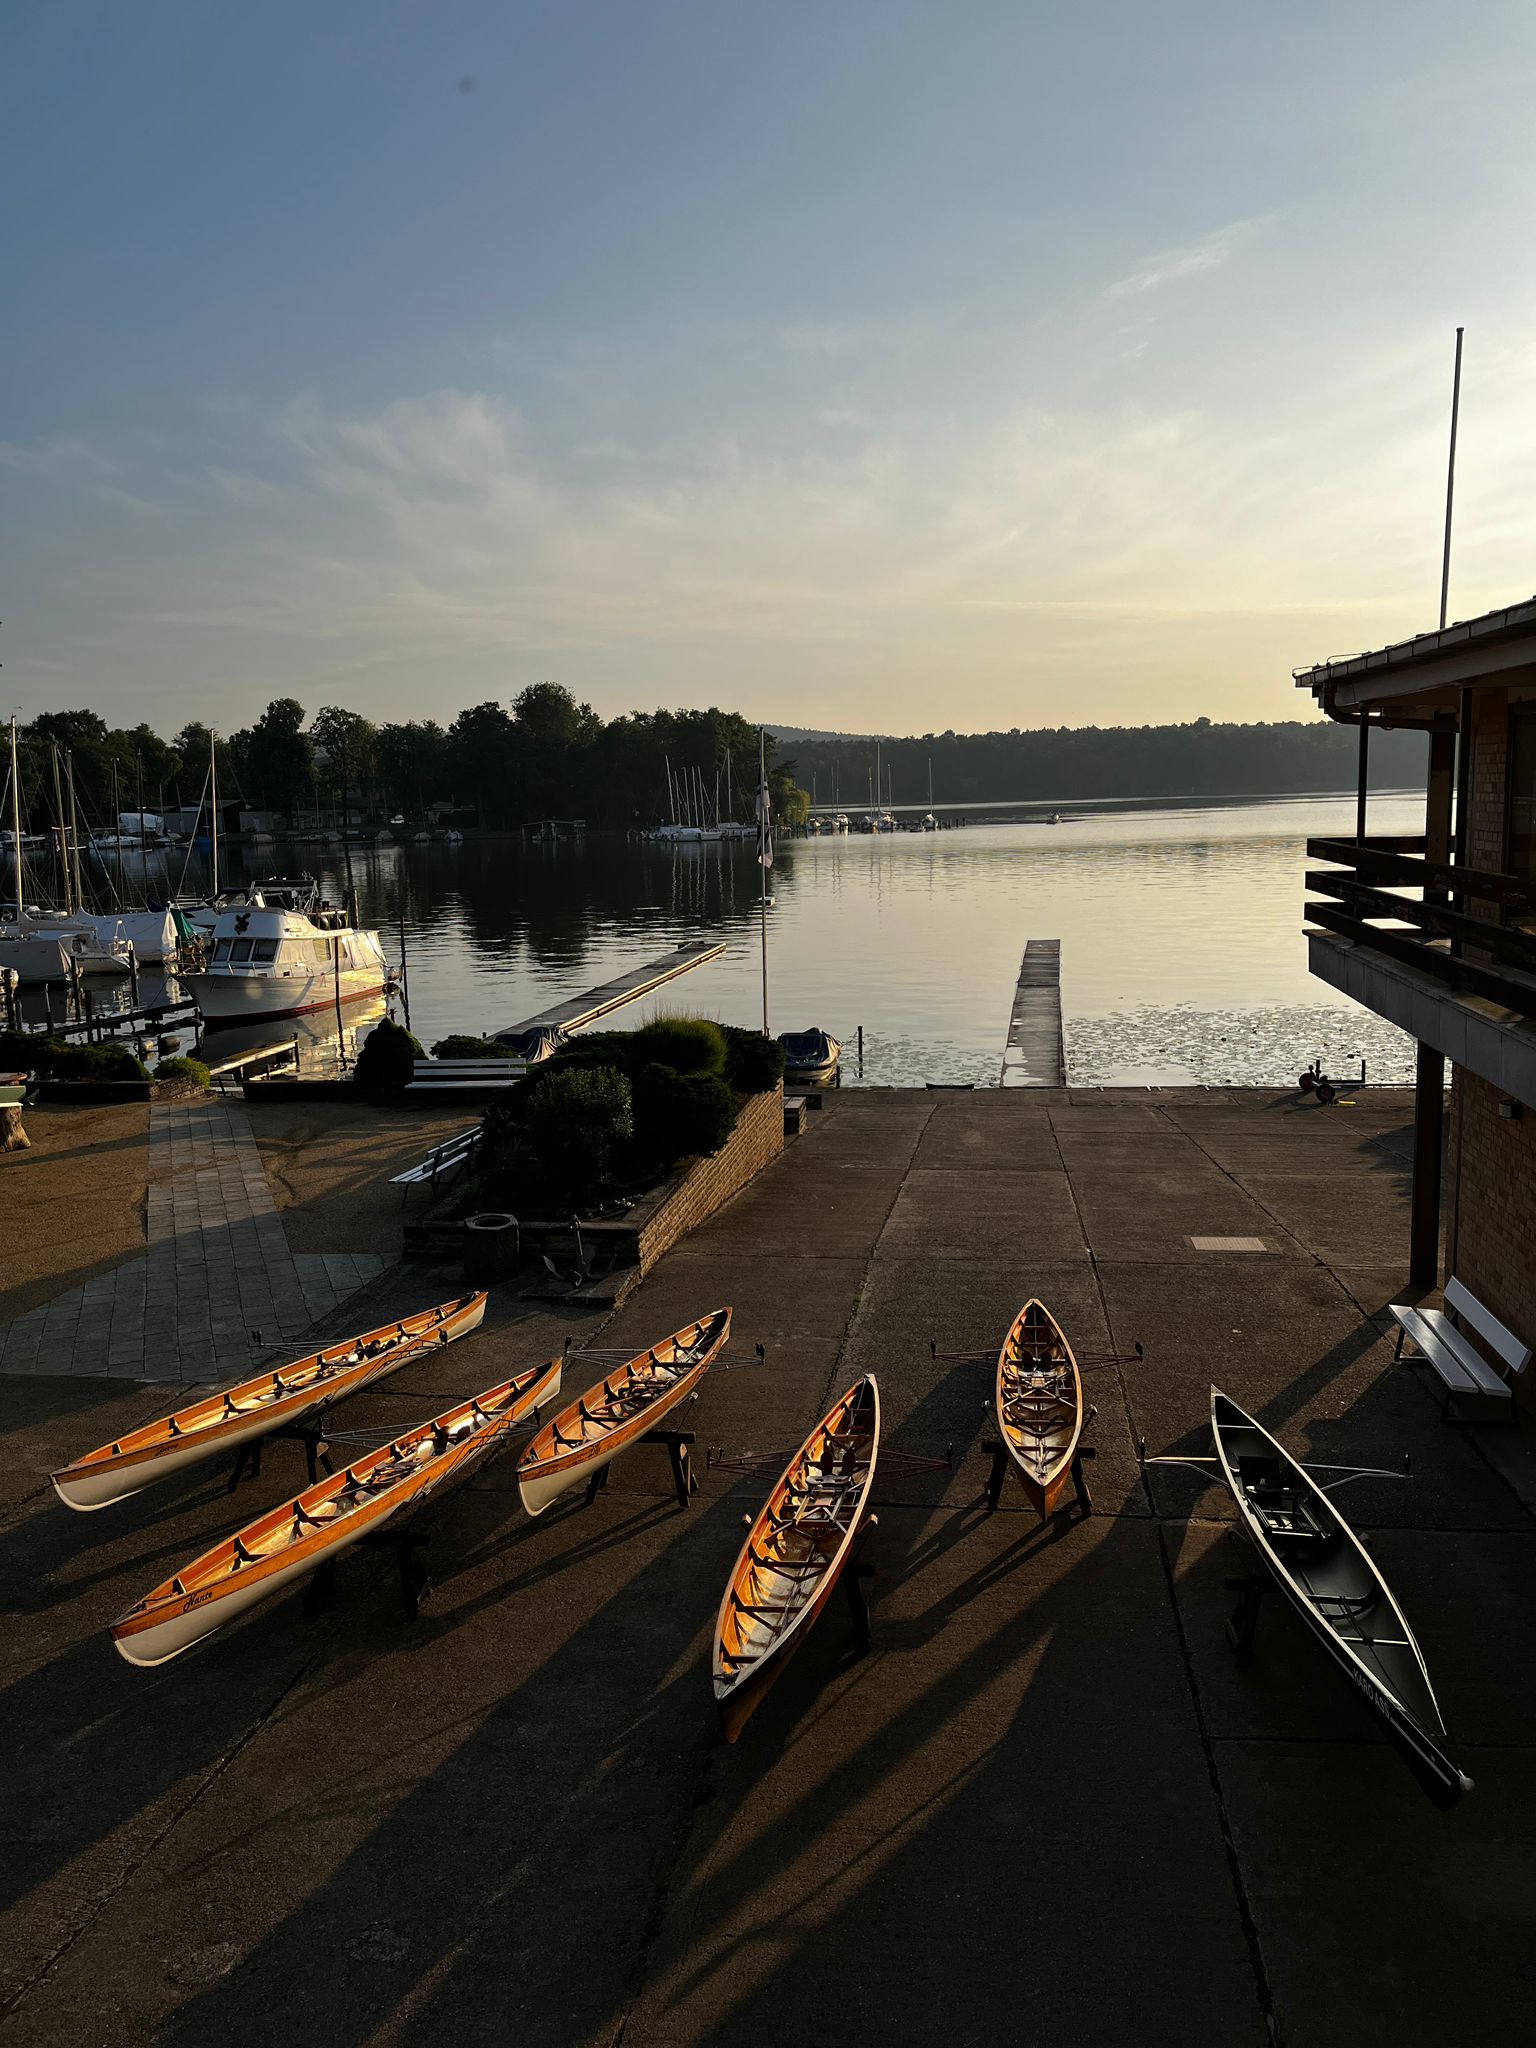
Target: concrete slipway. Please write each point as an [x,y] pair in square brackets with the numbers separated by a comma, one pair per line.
[1048,1806]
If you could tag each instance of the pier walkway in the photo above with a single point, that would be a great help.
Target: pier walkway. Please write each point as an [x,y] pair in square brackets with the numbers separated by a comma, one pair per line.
[1048,1803]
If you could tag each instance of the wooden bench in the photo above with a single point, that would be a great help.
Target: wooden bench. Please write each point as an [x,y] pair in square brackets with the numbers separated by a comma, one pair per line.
[1462,1369]
[441,1163]
[442,1076]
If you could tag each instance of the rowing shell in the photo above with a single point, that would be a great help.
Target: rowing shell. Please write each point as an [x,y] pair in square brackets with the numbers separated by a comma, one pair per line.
[607,1419]
[308,1531]
[1039,1405]
[1320,1565]
[273,1400]
[795,1553]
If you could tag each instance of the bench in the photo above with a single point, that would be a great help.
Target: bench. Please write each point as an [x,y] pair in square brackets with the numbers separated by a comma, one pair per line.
[439,1076]
[444,1160]
[1460,1367]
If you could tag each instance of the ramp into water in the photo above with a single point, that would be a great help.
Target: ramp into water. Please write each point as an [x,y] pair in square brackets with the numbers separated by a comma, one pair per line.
[1033,1057]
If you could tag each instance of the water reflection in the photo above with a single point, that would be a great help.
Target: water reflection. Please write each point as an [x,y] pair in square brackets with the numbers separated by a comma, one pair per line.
[1182,952]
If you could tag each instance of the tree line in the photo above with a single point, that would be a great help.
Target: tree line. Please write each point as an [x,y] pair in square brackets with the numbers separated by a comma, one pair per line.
[546,755]
[1065,763]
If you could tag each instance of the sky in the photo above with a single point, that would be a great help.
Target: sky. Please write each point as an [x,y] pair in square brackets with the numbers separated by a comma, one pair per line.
[869,366]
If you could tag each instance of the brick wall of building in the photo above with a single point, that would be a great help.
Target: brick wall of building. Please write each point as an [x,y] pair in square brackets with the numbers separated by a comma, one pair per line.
[1491,1207]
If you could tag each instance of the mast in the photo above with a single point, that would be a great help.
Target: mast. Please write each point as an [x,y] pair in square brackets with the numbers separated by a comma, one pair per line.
[213,802]
[666,762]
[16,814]
[930,782]
[74,829]
[764,857]
[61,828]
[117,834]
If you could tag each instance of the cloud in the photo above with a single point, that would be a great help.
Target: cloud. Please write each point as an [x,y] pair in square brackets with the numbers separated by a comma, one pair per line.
[1175,266]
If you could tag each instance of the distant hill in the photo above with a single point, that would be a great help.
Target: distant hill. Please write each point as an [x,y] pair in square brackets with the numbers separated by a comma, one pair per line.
[1077,763]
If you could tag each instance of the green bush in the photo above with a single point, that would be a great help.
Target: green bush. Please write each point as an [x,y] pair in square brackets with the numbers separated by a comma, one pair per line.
[461,1045]
[615,1049]
[681,1116]
[386,1057]
[753,1064]
[579,1121]
[182,1069]
[58,1059]
[689,1045]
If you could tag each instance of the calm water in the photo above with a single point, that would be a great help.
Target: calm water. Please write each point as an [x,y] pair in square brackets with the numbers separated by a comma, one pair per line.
[1182,956]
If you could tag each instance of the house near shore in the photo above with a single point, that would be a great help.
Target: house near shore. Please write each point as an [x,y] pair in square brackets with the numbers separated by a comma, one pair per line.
[1454,961]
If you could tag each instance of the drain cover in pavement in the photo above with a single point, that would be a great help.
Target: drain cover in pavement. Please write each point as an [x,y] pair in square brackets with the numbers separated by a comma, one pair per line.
[1228,1244]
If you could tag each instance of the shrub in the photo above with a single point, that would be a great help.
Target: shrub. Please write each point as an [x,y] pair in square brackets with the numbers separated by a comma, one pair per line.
[680,1116]
[386,1057]
[182,1069]
[615,1049]
[578,1120]
[689,1045]
[27,1051]
[60,1060]
[461,1045]
[753,1064]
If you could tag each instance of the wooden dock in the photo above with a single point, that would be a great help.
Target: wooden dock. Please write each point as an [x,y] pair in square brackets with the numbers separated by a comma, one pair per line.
[572,1013]
[1034,1057]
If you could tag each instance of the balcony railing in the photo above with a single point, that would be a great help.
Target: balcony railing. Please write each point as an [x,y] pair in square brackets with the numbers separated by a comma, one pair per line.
[1461,925]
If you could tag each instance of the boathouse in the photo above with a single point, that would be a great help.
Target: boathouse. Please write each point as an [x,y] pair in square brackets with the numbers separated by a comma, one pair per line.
[1437,933]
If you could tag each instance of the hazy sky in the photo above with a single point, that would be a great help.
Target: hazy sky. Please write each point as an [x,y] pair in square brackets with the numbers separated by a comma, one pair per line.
[855,364]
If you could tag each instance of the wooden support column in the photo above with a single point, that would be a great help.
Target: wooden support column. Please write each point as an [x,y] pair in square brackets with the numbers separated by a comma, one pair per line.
[1429,1082]
[1362,779]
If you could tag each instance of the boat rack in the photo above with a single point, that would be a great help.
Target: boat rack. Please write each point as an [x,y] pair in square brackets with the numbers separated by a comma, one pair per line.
[415,1584]
[1002,1461]
[676,1443]
[247,1460]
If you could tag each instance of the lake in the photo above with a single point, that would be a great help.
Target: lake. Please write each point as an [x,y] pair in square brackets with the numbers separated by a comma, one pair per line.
[1182,954]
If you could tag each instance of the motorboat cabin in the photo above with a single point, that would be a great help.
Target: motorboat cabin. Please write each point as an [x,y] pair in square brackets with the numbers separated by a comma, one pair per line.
[266,962]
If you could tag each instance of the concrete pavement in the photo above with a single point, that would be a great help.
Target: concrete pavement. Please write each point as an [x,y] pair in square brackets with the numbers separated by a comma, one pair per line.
[1048,1803]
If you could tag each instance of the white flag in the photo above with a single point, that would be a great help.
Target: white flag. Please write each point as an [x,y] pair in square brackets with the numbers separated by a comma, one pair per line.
[764,827]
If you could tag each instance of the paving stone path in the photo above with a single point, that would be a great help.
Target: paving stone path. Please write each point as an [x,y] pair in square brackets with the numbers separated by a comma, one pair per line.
[217,1286]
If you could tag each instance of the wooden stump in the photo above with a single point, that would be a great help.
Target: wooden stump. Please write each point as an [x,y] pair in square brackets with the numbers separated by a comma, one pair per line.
[12,1137]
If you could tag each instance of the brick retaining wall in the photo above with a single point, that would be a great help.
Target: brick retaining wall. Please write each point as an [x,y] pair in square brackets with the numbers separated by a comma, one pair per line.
[757,1140]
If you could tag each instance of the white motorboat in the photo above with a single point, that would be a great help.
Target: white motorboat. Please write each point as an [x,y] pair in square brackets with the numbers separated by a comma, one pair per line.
[266,962]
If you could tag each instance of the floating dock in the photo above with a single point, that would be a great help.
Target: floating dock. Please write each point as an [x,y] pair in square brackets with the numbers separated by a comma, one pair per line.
[572,1013]
[1034,1057]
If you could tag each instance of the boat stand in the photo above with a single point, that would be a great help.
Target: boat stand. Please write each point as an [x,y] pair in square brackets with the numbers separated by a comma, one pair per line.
[854,1572]
[1250,1587]
[247,1463]
[676,1442]
[1001,1462]
[414,1582]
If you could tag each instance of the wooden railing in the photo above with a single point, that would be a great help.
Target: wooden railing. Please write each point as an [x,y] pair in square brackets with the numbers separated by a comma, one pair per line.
[1464,926]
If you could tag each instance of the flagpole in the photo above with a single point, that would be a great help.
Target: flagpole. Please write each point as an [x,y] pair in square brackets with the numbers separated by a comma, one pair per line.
[763,845]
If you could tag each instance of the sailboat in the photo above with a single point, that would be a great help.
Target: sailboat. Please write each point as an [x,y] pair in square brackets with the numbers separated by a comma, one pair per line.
[51,946]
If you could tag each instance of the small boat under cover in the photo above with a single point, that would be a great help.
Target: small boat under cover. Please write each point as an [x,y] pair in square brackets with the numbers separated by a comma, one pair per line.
[308,1531]
[608,1418]
[1321,1567]
[1039,1405]
[273,1400]
[795,1553]
[810,1056]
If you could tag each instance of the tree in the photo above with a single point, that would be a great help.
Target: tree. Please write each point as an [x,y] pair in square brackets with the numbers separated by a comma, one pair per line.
[482,758]
[346,744]
[413,765]
[276,757]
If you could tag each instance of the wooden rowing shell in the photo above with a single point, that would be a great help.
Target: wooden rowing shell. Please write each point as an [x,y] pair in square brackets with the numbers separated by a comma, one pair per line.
[607,1419]
[273,1400]
[795,1553]
[1039,1404]
[318,1524]
[1321,1566]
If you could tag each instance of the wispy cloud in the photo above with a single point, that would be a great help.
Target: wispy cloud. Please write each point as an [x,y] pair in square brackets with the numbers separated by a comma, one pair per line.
[1176,266]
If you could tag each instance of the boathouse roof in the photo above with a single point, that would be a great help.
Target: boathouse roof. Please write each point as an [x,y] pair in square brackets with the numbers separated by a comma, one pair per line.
[1470,651]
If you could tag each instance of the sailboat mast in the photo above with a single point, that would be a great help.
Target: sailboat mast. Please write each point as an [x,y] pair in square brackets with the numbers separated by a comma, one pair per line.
[74,829]
[61,829]
[16,814]
[213,802]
